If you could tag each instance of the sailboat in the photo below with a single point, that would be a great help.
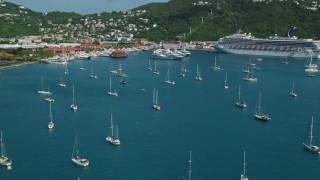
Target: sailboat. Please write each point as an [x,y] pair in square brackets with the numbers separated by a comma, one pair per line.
[155,71]
[155,100]
[42,91]
[4,160]
[215,67]
[81,67]
[73,106]
[110,90]
[122,81]
[50,124]
[243,175]
[92,75]
[183,70]
[250,77]
[167,80]
[113,139]
[120,72]
[246,70]
[250,62]
[49,99]
[149,67]
[258,59]
[61,83]
[75,155]
[292,93]
[198,75]
[113,70]
[66,71]
[308,142]
[258,114]
[226,86]
[240,103]
[311,67]
[189,171]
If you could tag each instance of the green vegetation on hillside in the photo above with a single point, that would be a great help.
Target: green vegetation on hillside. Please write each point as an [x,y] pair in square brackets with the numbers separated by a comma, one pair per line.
[174,20]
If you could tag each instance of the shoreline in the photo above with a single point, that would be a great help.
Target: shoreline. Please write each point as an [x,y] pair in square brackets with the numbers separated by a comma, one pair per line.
[19,64]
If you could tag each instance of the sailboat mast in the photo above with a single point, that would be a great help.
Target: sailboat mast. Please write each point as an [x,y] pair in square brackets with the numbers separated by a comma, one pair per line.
[50,112]
[111,126]
[225,81]
[311,136]
[154,91]
[73,94]
[239,93]
[190,171]
[157,97]
[215,61]
[110,85]
[41,82]
[117,135]
[244,162]
[1,146]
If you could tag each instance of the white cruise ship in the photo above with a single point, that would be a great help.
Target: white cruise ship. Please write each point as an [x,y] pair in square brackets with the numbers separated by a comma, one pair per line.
[287,46]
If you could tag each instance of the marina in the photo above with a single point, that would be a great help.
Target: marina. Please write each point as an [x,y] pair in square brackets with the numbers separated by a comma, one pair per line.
[195,116]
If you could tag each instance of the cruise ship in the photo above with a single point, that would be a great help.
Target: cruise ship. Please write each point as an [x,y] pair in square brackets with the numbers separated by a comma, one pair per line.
[286,46]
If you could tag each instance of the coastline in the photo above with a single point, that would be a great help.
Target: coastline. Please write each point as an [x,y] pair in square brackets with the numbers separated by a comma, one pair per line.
[19,64]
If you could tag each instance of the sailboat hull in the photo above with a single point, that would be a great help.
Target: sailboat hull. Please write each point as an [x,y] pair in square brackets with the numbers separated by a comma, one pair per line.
[312,148]
[80,162]
[113,141]
[262,117]
[4,161]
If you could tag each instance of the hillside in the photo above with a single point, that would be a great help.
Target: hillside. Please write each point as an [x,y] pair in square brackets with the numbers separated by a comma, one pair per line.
[221,18]
[185,20]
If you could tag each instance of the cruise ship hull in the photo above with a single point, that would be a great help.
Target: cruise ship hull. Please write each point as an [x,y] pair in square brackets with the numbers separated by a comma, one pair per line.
[288,54]
[287,46]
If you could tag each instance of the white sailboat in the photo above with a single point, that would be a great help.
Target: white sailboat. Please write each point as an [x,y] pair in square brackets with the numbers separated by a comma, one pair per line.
[50,124]
[149,67]
[75,155]
[183,70]
[155,71]
[189,169]
[110,93]
[92,75]
[167,80]
[120,72]
[240,103]
[42,91]
[81,67]
[198,75]
[308,142]
[293,93]
[250,62]
[49,99]
[246,70]
[61,83]
[258,114]
[243,175]
[226,86]
[311,67]
[250,77]
[113,71]
[155,100]
[114,137]
[73,106]
[4,160]
[215,67]
[66,71]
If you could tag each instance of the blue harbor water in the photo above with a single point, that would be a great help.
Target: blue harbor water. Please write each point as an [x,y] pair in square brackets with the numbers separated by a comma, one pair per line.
[195,115]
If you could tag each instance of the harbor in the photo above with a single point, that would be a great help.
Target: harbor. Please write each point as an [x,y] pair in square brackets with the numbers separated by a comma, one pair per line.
[197,116]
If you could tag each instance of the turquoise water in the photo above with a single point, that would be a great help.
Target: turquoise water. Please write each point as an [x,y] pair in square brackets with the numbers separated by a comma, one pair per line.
[195,115]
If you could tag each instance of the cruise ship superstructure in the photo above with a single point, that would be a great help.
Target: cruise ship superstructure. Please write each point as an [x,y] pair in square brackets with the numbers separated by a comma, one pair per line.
[287,46]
